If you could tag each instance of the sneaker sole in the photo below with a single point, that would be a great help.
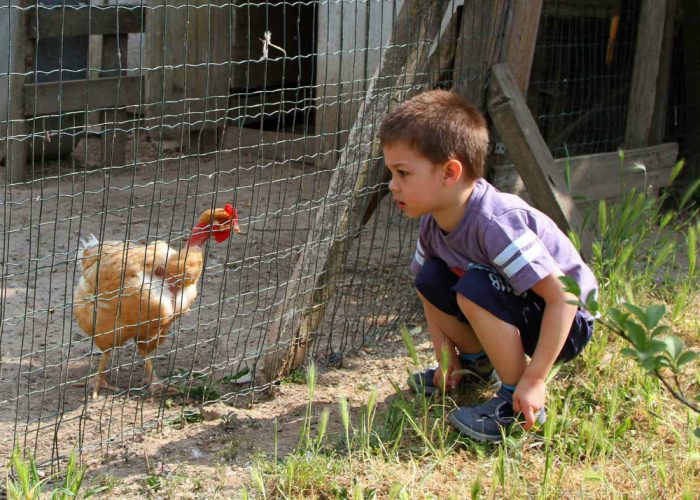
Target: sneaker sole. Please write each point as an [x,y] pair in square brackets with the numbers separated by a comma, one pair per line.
[419,389]
[469,432]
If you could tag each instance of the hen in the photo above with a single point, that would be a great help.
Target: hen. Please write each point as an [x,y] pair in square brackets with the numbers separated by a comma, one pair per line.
[134,292]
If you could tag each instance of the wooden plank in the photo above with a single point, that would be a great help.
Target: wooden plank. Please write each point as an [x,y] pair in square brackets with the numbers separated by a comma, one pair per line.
[77,95]
[663,83]
[114,55]
[581,8]
[478,47]
[52,21]
[184,76]
[311,283]
[605,175]
[14,51]
[647,54]
[544,181]
[521,37]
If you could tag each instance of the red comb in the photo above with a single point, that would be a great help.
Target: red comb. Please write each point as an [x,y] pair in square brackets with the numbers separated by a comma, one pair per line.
[229,209]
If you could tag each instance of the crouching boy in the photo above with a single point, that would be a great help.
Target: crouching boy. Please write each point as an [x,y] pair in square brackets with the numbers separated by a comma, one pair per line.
[487,266]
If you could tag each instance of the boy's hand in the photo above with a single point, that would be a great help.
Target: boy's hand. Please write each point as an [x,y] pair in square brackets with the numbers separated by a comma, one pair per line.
[528,398]
[451,379]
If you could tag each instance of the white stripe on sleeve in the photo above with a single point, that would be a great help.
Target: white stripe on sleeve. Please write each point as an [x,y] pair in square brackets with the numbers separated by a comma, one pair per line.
[419,249]
[525,258]
[419,258]
[514,248]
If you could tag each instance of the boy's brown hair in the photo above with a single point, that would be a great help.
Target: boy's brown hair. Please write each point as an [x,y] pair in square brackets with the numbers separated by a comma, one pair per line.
[441,126]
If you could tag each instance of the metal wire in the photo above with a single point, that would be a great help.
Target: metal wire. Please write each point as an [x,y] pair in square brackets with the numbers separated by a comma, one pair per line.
[205,117]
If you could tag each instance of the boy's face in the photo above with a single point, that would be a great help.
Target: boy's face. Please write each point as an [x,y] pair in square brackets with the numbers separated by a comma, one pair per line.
[416,183]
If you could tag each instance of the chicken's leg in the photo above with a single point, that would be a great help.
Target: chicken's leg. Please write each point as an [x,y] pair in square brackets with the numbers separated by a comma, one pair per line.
[155,385]
[100,380]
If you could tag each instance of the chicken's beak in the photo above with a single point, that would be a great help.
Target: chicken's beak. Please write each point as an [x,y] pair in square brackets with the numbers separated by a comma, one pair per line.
[235,227]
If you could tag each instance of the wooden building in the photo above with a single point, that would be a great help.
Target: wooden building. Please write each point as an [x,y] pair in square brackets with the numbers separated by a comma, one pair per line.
[597,74]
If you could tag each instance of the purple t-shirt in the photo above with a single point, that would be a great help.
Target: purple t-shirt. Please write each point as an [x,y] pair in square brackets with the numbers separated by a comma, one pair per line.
[501,231]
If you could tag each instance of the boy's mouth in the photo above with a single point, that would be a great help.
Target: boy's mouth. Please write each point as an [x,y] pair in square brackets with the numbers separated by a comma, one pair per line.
[400,204]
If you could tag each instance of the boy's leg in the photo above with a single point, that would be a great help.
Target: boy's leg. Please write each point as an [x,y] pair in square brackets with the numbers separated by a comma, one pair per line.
[502,323]
[499,339]
[448,329]
[443,326]
[448,333]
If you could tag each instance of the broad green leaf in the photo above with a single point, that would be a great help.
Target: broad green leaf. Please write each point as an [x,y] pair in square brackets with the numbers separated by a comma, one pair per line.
[656,346]
[592,304]
[619,317]
[674,346]
[660,330]
[630,352]
[636,311]
[653,315]
[570,285]
[637,334]
[686,358]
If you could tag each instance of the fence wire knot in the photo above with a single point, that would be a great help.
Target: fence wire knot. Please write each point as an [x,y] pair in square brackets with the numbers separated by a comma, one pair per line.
[267,42]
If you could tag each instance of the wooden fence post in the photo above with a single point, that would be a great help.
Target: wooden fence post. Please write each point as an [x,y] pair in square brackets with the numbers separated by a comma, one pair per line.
[311,282]
[647,55]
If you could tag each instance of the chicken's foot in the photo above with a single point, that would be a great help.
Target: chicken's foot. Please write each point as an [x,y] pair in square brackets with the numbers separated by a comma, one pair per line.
[100,381]
[155,385]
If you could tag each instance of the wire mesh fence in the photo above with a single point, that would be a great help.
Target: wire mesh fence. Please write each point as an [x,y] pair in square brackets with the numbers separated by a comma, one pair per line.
[128,120]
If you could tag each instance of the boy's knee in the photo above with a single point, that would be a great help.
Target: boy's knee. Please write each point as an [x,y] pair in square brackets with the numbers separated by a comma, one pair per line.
[430,281]
[466,306]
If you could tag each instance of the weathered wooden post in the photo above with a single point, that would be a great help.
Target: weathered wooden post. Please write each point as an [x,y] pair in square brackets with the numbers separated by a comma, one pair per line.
[304,296]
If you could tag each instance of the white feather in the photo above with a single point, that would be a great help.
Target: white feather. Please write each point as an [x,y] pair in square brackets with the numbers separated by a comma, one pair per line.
[90,242]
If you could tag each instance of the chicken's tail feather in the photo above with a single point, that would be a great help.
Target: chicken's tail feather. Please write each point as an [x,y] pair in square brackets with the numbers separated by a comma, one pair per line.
[86,244]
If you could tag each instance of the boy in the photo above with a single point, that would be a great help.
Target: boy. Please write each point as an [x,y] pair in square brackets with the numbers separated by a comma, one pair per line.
[487,265]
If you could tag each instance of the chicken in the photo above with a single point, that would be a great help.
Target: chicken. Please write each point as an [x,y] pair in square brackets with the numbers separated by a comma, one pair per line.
[130,291]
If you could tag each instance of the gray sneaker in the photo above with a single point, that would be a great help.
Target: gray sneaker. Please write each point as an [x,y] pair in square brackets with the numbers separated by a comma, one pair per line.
[479,371]
[490,420]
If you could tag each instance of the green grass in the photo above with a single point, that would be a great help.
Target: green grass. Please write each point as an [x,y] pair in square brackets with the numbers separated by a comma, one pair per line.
[24,480]
[612,430]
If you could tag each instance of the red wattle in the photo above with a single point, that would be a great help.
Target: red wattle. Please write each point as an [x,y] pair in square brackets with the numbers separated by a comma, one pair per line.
[199,236]
[220,236]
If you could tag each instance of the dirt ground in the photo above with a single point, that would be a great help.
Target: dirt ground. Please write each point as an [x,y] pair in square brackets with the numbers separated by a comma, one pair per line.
[212,459]
[46,360]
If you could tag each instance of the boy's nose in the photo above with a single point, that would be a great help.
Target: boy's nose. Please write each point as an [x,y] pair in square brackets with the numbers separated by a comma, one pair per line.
[392,185]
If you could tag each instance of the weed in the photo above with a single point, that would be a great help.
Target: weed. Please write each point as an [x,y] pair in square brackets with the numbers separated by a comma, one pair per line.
[25,481]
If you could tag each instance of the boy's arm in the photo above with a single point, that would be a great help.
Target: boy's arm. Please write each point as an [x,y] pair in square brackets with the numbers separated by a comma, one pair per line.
[557,319]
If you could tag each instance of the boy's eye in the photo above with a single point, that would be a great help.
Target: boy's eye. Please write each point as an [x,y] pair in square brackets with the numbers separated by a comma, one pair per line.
[402,173]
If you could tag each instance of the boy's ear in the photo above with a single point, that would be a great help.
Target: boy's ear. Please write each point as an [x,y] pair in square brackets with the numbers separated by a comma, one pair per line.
[452,171]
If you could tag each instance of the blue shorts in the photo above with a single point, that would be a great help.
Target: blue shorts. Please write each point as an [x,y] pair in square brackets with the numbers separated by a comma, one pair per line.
[487,289]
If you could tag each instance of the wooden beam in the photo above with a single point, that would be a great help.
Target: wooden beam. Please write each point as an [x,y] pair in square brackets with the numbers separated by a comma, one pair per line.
[663,83]
[521,37]
[312,280]
[647,54]
[478,47]
[605,175]
[535,164]
[13,61]
[52,21]
[78,95]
